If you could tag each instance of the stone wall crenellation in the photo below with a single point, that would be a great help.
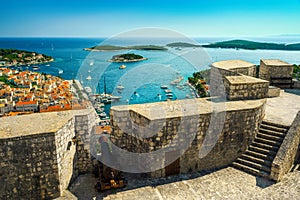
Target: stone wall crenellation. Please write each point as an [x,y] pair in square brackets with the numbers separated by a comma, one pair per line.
[85,123]
[40,160]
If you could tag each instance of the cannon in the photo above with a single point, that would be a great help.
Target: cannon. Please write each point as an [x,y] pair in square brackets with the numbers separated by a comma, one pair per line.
[108,178]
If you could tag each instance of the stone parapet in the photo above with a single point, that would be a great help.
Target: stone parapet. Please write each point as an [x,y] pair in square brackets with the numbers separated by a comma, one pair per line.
[275,69]
[171,124]
[296,84]
[286,155]
[273,92]
[245,87]
[38,158]
[35,163]
[85,122]
[238,79]
[231,67]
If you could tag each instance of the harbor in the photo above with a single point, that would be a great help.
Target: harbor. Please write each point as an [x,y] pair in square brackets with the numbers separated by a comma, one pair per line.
[102,100]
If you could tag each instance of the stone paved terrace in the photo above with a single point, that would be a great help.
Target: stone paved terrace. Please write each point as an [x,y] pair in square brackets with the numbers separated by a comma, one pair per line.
[228,183]
[282,109]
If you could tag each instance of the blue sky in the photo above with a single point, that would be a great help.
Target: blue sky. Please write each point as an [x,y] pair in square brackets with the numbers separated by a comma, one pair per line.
[102,18]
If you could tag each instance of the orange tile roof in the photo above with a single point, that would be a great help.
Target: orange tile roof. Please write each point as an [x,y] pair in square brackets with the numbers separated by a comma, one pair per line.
[101,129]
[26,103]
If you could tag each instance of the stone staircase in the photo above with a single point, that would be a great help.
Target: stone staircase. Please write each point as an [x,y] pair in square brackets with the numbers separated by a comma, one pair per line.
[257,160]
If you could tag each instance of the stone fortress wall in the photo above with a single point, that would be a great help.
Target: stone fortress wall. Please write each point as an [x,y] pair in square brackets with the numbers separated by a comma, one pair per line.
[275,69]
[38,156]
[241,122]
[239,80]
[288,151]
[85,122]
[277,72]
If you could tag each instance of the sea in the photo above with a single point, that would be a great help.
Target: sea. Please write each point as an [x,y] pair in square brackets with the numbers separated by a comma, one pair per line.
[140,81]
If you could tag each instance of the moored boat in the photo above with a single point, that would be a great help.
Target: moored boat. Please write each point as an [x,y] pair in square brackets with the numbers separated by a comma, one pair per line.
[164,87]
[36,68]
[103,115]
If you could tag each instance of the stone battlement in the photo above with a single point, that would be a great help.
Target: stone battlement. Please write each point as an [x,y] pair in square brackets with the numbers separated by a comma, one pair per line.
[223,136]
[33,124]
[38,154]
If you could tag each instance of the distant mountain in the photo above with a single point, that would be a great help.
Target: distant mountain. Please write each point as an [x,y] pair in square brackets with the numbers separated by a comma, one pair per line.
[245,44]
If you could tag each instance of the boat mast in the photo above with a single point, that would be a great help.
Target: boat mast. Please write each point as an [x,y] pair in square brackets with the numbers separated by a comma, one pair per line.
[104,86]
[99,91]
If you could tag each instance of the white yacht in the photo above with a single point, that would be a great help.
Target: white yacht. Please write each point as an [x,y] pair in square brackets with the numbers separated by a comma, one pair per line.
[164,87]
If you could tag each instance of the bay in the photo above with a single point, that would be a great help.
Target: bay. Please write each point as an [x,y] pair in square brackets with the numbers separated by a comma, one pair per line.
[141,80]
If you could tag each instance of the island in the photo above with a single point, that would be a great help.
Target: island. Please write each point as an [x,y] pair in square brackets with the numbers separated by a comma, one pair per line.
[11,57]
[239,44]
[128,57]
[183,45]
[120,48]
[250,45]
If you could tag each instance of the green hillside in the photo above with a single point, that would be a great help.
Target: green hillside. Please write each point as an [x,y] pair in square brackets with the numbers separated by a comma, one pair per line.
[245,44]
[182,44]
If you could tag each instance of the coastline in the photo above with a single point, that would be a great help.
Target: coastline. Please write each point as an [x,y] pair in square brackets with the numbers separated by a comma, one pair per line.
[24,64]
[98,50]
[127,61]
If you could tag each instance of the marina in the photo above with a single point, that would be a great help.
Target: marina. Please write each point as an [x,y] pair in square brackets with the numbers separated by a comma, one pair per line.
[34,68]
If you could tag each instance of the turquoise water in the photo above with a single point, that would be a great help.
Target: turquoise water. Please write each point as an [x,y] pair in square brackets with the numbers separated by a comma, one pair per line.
[144,78]
[293,91]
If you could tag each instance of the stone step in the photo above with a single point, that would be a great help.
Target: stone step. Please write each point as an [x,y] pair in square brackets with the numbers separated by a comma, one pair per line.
[271,132]
[268,142]
[269,137]
[259,155]
[256,160]
[274,128]
[265,146]
[254,165]
[250,170]
[275,125]
[257,149]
